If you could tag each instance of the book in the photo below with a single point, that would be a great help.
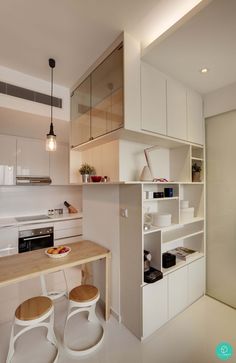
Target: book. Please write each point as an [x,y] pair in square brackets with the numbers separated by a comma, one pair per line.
[183,253]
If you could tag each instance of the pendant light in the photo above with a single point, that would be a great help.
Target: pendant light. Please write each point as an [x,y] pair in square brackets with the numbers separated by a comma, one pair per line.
[51,143]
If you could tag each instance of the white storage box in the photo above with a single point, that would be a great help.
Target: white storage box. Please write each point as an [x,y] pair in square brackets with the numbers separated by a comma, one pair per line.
[186,214]
[184,204]
[161,220]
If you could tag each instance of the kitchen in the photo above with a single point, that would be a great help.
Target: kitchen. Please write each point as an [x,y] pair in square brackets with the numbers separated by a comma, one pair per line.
[24,129]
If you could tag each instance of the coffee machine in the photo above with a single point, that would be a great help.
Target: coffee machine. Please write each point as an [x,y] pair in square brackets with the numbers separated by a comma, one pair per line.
[150,273]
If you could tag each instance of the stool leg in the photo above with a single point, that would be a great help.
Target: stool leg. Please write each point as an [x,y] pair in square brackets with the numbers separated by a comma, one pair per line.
[51,335]
[11,349]
[92,314]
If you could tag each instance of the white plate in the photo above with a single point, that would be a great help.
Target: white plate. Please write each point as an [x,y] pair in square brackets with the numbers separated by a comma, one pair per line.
[58,255]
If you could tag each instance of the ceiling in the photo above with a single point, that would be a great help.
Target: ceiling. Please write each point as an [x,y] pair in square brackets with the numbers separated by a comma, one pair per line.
[207,40]
[74,32]
[77,32]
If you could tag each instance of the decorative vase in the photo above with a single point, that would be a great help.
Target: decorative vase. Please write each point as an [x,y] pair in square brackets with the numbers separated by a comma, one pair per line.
[85,178]
[146,174]
[196,176]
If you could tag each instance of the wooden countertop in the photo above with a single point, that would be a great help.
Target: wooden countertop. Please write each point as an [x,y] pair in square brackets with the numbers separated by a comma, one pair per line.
[27,265]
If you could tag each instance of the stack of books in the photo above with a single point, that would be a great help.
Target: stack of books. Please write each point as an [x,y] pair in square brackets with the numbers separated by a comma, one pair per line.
[183,253]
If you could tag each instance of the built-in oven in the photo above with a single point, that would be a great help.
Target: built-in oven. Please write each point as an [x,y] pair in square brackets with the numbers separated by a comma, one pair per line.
[34,239]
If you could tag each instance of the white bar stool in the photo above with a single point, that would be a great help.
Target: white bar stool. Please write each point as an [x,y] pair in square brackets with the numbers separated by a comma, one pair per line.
[83,298]
[54,294]
[31,314]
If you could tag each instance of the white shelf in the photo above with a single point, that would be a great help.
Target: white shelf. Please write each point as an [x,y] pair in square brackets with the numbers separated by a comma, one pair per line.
[195,219]
[154,229]
[160,199]
[184,237]
[181,263]
[198,159]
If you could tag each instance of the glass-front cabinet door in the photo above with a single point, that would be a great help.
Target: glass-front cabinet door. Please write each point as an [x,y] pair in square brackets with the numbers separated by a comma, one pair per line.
[81,113]
[107,94]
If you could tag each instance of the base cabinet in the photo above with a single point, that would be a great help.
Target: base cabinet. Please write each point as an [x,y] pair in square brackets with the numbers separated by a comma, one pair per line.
[155,306]
[164,299]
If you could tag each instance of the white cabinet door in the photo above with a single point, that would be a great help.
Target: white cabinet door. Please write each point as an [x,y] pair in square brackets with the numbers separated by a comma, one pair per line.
[176,110]
[178,291]
[32,157]
[195,117]
[7,160]
[59,165]
[153,98]
[196,280]
[155,306]
[8,241]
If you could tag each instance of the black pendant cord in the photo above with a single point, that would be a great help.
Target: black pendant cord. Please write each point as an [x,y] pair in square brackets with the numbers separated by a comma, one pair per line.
[51,96]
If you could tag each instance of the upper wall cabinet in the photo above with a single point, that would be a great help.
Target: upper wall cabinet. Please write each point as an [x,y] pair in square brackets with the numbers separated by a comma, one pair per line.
[59,165]
[32,158]
[7,159]
[195,117]
[169,108]
[153,99]
[97,103]
[176,110]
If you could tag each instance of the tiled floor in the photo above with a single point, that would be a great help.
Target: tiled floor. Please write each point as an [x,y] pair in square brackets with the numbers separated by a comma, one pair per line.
[189,338]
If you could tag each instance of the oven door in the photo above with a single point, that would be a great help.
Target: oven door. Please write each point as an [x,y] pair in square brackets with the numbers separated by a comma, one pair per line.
[35,242]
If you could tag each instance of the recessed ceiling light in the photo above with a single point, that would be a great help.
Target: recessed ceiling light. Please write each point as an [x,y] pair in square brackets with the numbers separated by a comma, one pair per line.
[204,70]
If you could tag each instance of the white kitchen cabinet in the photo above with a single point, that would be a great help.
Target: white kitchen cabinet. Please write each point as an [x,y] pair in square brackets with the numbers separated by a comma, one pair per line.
[68,231]
[178,291]
[153,97]
[7,159]
[196,280]
[32,158]
[59,165]
[195,117]
[155,306]
[176,110]
[8,241]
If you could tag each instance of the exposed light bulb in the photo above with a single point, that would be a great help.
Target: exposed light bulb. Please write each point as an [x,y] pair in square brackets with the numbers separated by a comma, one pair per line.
[204,70]
[51,144]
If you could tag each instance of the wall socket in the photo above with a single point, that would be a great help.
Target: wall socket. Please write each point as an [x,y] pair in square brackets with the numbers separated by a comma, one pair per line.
[124,212]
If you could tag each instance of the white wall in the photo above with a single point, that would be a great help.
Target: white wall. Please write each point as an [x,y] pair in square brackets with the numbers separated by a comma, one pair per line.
[21,200]
[101,225]
[23,80]
[220,101]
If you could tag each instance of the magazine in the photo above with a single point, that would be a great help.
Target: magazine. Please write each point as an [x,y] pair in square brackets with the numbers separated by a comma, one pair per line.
[183,253]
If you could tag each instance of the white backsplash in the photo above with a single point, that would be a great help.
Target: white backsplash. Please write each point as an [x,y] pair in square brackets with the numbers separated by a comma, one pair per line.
[31,200]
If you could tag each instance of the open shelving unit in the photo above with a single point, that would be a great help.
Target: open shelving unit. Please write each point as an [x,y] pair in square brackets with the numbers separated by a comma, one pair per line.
[185,281]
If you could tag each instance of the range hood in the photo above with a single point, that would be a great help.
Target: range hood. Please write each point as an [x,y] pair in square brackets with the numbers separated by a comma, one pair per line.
[33,180]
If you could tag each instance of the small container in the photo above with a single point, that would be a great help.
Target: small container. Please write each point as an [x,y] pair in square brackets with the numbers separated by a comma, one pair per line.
[158,195]
[168,260]
[184,204]
[186,214]
[148,195]
[168,192]
[161,220]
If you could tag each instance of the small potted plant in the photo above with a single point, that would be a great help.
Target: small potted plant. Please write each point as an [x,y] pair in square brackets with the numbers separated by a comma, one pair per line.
[86,170]
[196,170]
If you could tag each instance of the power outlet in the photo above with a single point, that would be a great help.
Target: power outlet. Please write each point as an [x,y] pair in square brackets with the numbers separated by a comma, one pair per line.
[124,212]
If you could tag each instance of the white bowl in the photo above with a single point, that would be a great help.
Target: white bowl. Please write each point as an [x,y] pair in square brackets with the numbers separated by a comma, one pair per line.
[58,255]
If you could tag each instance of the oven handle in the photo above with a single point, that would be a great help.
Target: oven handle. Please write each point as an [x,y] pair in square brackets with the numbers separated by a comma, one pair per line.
[37,237]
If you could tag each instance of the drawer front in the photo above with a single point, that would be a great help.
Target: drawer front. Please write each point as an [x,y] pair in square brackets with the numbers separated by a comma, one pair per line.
[73,223]
[70,232]
[65,241]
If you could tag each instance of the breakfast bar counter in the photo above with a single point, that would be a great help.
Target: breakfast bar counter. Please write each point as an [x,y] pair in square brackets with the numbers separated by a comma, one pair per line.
[27,265]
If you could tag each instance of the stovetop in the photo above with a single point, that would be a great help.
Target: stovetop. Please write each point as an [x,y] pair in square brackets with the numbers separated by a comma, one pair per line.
[31,218]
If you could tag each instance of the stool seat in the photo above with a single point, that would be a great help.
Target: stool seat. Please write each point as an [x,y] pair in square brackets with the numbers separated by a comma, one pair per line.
[83,293]
[33,308]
